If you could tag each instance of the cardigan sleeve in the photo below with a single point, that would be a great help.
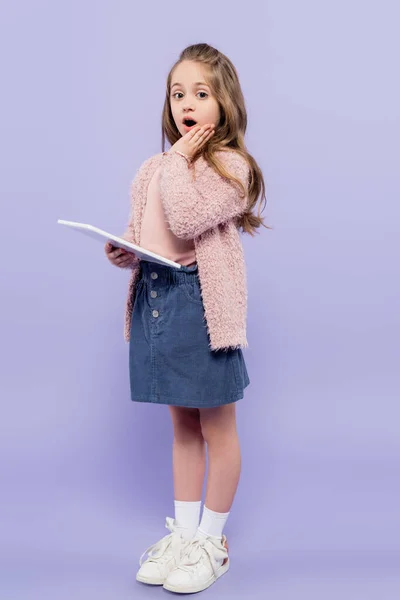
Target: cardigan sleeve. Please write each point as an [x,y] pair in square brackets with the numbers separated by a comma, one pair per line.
[129,233]
[192,206]
[141,174]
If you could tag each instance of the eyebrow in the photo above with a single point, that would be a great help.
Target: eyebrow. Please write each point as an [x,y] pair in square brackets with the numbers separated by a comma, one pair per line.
[197,83]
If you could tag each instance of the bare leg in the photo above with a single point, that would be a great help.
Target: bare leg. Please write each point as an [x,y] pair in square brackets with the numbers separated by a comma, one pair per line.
[219,431]
[188,454]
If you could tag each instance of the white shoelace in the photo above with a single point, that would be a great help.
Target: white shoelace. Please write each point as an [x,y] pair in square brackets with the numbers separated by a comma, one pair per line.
[198,549]
[157,551]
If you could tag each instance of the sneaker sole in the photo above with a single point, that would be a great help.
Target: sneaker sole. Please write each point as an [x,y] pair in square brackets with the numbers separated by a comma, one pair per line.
[149,581]
[198,588]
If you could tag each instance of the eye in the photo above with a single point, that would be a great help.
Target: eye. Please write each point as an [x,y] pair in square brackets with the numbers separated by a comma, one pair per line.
[174,95]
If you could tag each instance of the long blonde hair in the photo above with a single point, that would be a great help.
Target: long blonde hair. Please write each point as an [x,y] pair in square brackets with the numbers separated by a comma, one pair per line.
[229,133]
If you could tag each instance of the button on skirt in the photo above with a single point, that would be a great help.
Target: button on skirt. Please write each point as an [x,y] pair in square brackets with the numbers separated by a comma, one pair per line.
[170,361]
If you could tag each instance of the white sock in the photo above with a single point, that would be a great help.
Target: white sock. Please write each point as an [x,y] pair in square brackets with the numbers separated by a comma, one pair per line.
[187,515]
[212,523]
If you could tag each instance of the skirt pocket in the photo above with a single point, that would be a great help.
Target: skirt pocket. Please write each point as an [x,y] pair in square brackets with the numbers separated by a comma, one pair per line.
[192,291]
[137,290]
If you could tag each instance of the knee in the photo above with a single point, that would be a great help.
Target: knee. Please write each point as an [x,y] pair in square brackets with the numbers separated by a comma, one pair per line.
[210,431]
[186,423]
[218,424]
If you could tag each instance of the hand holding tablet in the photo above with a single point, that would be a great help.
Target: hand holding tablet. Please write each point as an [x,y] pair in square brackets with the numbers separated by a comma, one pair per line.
[119,257]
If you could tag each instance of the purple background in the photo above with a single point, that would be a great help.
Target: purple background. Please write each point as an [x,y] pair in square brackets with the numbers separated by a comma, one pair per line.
[86,475]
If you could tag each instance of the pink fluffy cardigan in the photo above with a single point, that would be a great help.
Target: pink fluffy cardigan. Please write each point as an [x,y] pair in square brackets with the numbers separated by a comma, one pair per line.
[203,209]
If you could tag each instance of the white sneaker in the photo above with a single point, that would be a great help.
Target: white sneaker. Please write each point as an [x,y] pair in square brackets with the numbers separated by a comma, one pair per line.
[203,561]
[164,555]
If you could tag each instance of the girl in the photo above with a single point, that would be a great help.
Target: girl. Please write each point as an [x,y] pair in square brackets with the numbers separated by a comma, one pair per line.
[187,326]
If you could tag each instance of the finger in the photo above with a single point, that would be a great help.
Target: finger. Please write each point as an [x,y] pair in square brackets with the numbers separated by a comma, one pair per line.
[203,138]
[116,251]
[123,262]
[207,138]
[205,132]
[119,252]
[192,132]
[196,138]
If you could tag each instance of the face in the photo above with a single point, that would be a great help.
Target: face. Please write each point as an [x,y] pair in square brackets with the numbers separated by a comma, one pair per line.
[191,97]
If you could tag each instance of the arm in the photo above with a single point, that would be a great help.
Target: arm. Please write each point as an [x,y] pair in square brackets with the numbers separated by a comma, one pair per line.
[129,234]
[194,206]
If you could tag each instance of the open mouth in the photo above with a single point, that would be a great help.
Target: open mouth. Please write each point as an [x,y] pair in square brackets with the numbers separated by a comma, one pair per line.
[189,122]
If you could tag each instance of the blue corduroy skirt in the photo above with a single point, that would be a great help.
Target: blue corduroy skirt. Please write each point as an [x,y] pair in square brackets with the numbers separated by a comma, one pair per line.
[170,361]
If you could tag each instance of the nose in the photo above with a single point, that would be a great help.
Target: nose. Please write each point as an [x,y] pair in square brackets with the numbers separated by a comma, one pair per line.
[187,106]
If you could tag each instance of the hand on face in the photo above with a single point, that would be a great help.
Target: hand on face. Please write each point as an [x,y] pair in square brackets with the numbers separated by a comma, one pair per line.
[194,139]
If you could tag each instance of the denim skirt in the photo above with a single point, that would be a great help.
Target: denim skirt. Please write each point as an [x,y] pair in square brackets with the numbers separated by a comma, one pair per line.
[170,361]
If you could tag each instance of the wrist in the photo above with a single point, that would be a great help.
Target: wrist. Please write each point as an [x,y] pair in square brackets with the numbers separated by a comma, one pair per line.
[185,156]
[188,158]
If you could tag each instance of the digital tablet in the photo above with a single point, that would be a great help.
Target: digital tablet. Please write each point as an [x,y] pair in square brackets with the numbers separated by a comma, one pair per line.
[104,236]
